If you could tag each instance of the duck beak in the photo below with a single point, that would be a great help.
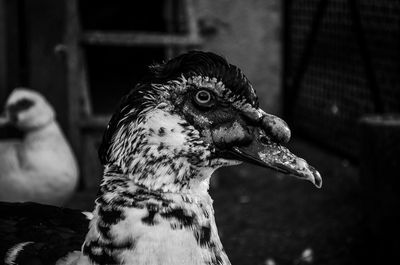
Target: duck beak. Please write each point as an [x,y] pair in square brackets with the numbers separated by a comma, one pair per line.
[265,150]
[8,130]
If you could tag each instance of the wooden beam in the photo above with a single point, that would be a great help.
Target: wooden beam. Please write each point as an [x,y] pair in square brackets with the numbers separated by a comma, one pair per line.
[95,123]
[108,38]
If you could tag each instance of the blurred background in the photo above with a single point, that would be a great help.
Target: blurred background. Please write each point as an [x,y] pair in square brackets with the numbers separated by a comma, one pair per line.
[330,68]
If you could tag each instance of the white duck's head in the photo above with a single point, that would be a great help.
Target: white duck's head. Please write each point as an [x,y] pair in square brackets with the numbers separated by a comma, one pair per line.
[191,115]
[27,110]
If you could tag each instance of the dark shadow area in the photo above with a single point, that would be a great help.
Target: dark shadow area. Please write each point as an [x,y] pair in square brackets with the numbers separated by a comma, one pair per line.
[126,15]
[114,71]
[264,215]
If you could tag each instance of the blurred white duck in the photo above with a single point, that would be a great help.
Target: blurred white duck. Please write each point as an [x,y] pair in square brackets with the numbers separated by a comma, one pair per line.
[40,166]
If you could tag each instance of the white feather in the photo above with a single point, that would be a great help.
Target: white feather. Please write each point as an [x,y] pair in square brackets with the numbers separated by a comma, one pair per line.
[13,252]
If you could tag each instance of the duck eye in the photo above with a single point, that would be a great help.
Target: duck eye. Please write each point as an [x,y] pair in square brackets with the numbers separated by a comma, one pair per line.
[21,105]
[203,98]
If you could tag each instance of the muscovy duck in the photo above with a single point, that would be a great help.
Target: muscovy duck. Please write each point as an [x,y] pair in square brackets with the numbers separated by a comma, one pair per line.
[190,116]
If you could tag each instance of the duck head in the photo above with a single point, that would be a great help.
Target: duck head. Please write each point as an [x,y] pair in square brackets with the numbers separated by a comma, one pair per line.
[26,110]
[190,116]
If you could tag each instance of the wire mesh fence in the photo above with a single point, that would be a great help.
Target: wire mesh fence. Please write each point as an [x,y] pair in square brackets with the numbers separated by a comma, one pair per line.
[342,60]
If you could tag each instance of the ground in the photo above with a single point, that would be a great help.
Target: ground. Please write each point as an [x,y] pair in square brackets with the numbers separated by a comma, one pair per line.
[264,217]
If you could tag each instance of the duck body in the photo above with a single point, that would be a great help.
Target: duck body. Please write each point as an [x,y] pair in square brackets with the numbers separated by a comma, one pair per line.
[40,165]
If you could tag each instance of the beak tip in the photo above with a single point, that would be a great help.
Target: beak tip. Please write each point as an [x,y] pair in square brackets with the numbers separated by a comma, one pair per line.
[317,180]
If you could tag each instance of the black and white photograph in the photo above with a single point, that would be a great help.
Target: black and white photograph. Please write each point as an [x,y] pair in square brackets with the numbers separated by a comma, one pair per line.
[199,132]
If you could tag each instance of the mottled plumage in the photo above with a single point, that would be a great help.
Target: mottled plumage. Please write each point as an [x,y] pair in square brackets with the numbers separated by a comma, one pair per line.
[188,117]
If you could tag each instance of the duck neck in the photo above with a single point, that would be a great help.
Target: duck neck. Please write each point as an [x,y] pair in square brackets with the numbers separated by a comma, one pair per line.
[156,170]
[133,221]
[43,131]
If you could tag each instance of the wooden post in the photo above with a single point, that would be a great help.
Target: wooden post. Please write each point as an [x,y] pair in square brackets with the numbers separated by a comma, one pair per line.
[3,54]
[10,65]
[77,91]
[45,23]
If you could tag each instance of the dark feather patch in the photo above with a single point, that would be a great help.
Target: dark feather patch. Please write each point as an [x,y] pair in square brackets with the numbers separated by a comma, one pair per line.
[107,252]
[153,210]
[203,235]
[216,260]
[99,258]
[161,131]
[199,63]
[184,218]
[20,105]
[55,231]
[110,215]
[104,230]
